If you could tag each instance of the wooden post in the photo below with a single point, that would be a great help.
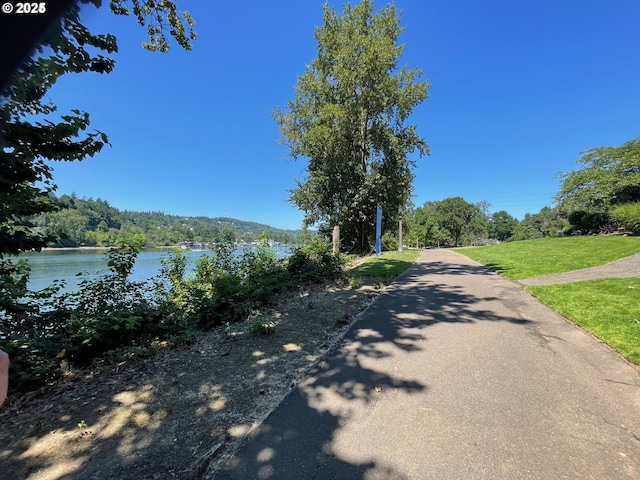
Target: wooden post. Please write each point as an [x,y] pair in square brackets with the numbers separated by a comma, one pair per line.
[336,240]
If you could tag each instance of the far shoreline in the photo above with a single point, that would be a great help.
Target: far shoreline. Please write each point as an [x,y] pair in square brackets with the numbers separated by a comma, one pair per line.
[58,249]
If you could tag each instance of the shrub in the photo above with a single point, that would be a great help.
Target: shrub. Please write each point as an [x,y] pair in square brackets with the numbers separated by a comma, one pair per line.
[627,216]
[261,325]
[315,262]
[33,326]
[389,242]
[106,313]
[111,311]
[263,273]
[209,295]
[224,287]
[111,314]
[588,222]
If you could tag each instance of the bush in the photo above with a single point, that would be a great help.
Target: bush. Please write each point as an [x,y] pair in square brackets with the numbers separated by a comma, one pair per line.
[389,242]
[209,295]
[627,217]
[224,287]
[263,273]
[40,329]
[315,262]
[588,222]
[111,314]
[262,325]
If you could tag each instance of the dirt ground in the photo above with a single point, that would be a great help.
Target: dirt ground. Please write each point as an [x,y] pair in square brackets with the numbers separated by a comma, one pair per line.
[184,410]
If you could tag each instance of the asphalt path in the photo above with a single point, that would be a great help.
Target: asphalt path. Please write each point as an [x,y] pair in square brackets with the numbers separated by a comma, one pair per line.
[627,267]
[454,373]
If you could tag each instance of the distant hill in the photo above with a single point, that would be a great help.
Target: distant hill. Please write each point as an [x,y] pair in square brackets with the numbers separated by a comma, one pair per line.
[89,222]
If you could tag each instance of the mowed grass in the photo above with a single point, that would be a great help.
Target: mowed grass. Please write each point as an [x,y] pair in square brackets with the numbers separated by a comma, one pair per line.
[544,256]
[610,309]
[385,266]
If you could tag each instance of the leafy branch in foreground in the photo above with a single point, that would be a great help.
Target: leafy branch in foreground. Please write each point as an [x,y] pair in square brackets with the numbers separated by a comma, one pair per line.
[159,16]
[30,137]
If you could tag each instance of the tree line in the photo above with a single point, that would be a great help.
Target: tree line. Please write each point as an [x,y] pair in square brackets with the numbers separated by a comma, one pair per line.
[601,196]
[454,222]
[89,222]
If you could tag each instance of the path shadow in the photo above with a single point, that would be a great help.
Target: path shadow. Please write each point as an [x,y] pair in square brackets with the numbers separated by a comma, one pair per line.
[297,440]
[138,438]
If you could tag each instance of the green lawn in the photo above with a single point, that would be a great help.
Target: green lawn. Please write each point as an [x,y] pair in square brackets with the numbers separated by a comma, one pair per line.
[386,266]
[533,258]
[610,309]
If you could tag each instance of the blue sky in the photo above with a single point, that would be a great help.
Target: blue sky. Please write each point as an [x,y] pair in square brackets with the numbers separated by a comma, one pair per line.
[519,89]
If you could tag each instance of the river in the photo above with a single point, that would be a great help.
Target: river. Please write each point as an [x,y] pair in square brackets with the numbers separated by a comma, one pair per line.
[66,264]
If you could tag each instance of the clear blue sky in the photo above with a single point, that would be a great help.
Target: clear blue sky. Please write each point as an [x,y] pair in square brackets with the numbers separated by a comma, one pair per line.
[519,89]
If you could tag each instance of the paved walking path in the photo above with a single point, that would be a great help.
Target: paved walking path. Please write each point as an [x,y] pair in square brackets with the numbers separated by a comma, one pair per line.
[455,373]
[628,267]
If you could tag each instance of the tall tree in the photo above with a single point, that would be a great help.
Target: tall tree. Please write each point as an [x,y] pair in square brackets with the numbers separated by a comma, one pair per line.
[348,118]
[461,219]
[502,225]
[423,227]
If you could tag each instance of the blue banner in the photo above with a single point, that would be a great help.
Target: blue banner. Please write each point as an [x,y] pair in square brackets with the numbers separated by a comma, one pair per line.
[378,230]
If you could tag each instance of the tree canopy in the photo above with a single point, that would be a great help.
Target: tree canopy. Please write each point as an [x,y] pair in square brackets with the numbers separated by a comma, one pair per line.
[450,222]
[608,176]
[502,225]
[89,222]
[348,119]
[460,218]
[604,194]
[159,16]
[548,222]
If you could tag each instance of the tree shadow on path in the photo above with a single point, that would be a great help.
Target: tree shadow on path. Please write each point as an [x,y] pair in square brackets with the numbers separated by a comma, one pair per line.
[298,439]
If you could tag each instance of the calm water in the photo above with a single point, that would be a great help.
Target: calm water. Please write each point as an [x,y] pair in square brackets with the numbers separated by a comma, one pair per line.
[65,265]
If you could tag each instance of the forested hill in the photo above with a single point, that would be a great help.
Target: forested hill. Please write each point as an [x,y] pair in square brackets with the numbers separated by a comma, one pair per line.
[88,222]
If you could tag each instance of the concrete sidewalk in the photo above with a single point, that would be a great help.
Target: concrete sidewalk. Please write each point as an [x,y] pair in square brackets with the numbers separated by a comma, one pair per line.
[454,373]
